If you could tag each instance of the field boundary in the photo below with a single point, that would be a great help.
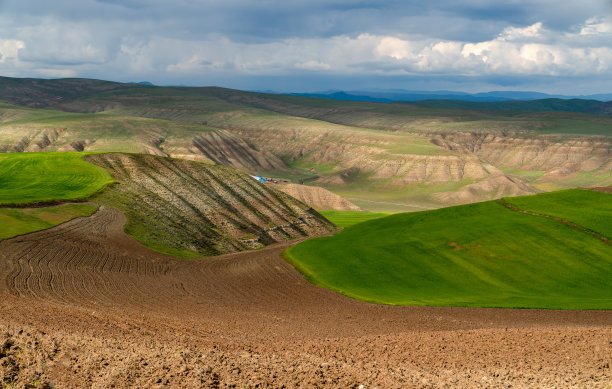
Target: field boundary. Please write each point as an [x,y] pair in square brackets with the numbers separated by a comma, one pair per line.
[57,225]
[568,223]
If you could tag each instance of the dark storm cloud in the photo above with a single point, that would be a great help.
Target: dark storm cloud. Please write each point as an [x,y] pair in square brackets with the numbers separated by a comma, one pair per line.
[213,42]
[274,19]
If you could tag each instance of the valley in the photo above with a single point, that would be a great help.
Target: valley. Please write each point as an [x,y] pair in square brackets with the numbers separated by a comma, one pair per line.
[402,245]
[382,157]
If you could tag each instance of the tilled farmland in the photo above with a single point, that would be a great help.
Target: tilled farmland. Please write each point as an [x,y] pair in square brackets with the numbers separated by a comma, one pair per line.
[84,305]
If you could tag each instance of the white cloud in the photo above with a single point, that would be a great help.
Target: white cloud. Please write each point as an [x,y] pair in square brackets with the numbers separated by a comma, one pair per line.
[395,48]
[597,25]
[312,65]
[531,50]
[9,49]
[512,33]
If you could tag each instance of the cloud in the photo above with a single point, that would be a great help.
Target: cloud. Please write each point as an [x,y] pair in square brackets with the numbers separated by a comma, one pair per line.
[529,32]
[595,26]
[312,65]
[515,50]
[395,48]
[9,49]
[207,41]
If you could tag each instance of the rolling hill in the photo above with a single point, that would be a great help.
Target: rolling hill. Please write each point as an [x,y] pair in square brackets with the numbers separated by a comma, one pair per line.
[381,157]
[183,208]
[482,254]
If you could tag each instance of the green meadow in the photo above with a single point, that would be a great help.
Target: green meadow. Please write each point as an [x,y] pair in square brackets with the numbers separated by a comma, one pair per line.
[48,177]
[19,221]
[349,218]
[479,255]
[586,208]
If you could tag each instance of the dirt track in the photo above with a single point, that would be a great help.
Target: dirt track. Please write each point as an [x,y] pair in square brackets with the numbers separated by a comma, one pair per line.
[96,308]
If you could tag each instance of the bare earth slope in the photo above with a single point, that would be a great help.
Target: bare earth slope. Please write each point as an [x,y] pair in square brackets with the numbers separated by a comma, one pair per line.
[319,198]
[559,159]
[206,209]
[224,148]
[82,304]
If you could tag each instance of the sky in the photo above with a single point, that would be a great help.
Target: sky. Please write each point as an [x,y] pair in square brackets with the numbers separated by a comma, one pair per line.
[548,46]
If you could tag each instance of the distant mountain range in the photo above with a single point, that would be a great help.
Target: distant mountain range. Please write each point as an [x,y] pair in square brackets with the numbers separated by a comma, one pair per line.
[386,96]
[498,100]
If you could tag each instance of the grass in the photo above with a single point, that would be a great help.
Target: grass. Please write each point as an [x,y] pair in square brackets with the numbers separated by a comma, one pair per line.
[19,221]
[349,218]
[384,195]
[27,178]
[480,255]
[525,175]
[570,205]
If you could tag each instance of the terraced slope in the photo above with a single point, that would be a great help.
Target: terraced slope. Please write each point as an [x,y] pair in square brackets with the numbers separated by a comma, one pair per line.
[192,209]
[473,255]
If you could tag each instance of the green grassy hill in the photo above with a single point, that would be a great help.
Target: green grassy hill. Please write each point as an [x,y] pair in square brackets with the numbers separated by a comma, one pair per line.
[586,208]
[349,218]
[27,178]
[480,254]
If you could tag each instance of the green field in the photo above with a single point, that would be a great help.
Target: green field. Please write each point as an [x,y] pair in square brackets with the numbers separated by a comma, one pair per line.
[481,255]
[48,177]
[570,205]
[19,221]
[349,218]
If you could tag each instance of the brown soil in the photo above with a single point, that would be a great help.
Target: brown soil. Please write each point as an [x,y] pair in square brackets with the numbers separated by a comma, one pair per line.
[604,189]
[84,305]
[319,198]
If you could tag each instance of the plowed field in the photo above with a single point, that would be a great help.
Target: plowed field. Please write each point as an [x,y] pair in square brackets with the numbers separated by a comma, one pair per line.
[84,305]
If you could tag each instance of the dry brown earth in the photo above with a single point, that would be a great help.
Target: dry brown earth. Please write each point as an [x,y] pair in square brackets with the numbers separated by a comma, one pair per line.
[604,189]
[226,149]
[318,198]
[84,305]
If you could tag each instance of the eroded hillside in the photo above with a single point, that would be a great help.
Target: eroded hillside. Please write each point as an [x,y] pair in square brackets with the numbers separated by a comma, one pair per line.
[382,157]
[319,198]
[194,209]
[547,162]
